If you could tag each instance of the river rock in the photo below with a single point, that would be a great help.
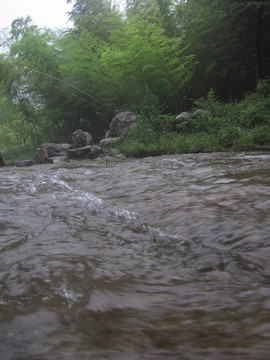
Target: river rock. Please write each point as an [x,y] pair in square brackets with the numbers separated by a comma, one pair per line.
[47,151]
[25,163]
[108,141]
[120,124]
[81,139]
[86,152]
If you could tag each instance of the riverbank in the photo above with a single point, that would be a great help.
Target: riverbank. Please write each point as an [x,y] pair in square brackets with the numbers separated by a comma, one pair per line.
[235,126]
[168,144]
[193,143]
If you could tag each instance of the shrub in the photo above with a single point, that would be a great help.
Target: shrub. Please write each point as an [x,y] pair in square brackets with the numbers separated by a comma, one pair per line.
[252,111]
[263,88]
[243,125]
[260,136]
[228,136]
[144,131]
[211,103]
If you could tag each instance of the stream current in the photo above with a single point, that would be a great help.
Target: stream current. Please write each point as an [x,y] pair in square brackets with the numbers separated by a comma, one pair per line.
[154,259]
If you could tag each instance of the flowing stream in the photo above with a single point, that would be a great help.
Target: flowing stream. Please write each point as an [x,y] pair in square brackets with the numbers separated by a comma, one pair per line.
[158,258]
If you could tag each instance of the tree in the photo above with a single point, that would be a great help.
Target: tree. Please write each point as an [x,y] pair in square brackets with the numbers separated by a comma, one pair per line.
[115,58]
[259,11]
[32,51]
[98,17]
[140,7]
[222,35]
[148,58]
[15,129]
[167,10]
[83,69]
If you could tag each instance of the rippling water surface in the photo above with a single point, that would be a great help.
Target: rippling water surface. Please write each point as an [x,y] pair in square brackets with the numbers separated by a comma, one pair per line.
[159,258]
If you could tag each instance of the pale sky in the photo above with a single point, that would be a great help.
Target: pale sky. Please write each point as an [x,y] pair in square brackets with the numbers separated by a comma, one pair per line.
[44,13]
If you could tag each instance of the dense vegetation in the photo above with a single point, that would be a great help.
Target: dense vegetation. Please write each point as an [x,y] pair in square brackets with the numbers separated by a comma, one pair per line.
[155,57]
[240,125]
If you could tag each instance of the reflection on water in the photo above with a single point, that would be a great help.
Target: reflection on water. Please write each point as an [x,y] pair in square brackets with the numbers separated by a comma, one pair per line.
[159,258]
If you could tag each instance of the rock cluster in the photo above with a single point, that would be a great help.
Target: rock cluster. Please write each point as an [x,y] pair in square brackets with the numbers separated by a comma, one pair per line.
[82,147]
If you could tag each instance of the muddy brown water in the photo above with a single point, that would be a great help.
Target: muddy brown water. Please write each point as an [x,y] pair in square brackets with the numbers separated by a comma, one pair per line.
[157,258]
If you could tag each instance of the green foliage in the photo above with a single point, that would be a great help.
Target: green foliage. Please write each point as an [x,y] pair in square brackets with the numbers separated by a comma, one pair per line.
[144,132]
[260,135]
[152,61]
[15,129]
[147,57]
[150,107]
[18,153]
[228,136]
[171,143]
[23,87]
[229,129]
[252,111]
[229,39]
[263,88]
[211,103]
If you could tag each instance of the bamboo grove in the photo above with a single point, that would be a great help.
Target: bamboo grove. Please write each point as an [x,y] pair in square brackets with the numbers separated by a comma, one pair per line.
[55,81]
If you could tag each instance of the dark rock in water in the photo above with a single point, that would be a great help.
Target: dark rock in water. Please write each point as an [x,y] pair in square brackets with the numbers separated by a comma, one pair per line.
[47,151]
[2,163]
[81,139]
[86,152]
[121,123]
[25,163]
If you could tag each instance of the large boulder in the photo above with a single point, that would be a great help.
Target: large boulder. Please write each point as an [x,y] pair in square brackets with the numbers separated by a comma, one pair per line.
[86,152]
[81,139]
[47,151]
[120,124]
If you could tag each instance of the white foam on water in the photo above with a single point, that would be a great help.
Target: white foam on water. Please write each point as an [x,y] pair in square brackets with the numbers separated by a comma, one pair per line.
[176,163]
[54,184]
